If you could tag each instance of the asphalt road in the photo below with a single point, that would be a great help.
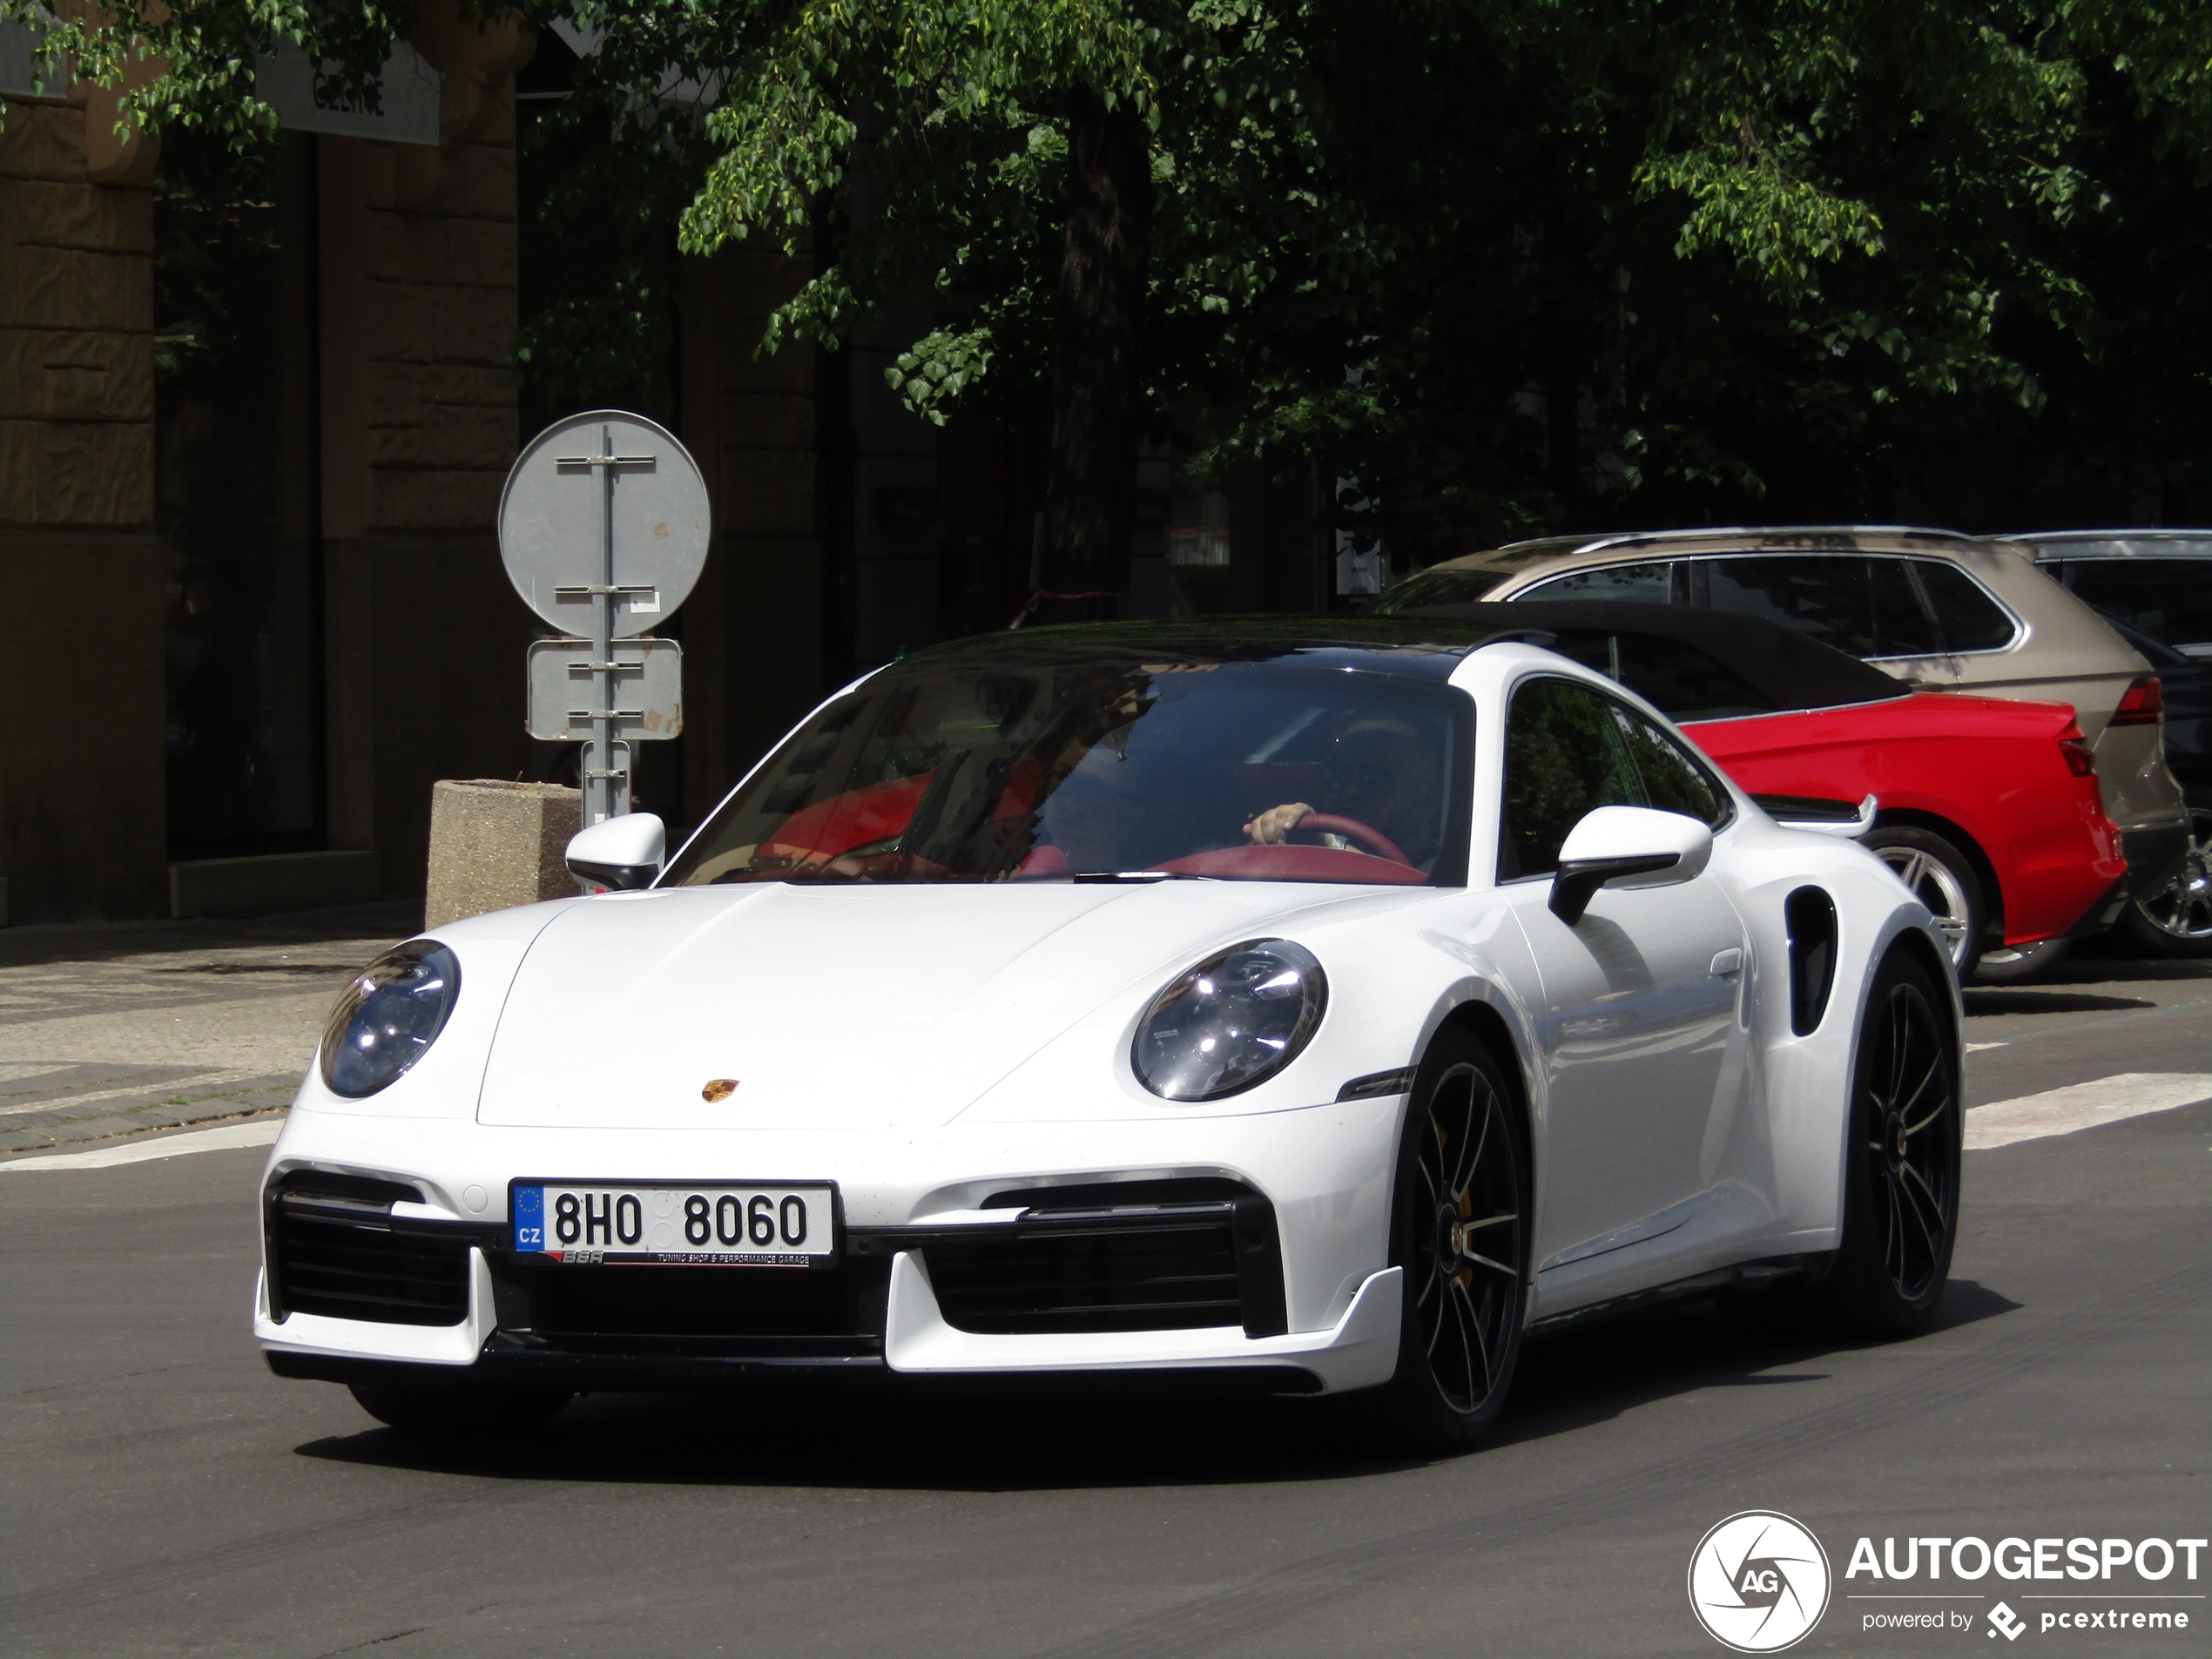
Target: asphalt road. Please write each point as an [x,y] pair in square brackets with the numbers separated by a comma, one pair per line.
[164,1493]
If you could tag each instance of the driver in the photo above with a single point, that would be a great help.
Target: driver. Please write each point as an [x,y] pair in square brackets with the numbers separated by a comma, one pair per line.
[1379,773]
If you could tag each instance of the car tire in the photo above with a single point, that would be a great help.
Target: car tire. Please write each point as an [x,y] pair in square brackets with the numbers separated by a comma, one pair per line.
[1901,1160]
[1942,877]
[2174,919]
[2014,964]
[434,1411]
[1461,1216]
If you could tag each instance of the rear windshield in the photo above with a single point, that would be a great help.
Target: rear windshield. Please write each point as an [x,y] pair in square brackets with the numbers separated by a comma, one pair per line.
[2168,599]
[1105,770]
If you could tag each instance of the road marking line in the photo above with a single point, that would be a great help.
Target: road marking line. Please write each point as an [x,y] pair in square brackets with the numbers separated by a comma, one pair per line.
[262,1131]
[197,1086]
[2062,1112]
[1976,1048]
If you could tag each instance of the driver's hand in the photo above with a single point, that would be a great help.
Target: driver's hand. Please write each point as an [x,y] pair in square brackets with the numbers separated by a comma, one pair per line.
[1274,825]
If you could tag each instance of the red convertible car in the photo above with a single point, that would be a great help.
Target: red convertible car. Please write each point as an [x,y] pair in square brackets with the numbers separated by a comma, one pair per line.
[1988,809]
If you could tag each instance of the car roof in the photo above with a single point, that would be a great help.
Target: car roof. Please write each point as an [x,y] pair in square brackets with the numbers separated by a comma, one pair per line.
[1791,670]
[1566,551]
[1429,648]
[2115,544]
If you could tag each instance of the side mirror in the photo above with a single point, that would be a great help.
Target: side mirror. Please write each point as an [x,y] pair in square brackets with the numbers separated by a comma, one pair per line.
[1627,846]
[620,853]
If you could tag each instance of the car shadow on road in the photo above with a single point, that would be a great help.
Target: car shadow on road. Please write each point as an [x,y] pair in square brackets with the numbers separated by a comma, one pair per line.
[932,1441]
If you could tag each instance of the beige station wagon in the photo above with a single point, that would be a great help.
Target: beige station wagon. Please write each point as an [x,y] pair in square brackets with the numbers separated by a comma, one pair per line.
[1939,610]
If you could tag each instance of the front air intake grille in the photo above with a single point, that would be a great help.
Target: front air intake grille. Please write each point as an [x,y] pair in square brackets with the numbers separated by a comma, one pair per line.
[616,1304]
[1094,1265]
[333,1251]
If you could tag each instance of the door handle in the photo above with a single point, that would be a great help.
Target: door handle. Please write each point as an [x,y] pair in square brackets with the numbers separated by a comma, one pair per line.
[1727,964]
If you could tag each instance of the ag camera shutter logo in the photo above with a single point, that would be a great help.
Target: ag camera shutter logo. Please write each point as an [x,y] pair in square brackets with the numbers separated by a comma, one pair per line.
[1759,1582]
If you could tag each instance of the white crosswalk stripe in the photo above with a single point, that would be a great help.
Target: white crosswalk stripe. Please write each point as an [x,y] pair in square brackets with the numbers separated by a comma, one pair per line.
[2062,1112]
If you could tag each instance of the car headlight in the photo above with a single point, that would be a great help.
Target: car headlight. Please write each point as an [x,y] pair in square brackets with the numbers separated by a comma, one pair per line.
[388,1017]
[1230,1022]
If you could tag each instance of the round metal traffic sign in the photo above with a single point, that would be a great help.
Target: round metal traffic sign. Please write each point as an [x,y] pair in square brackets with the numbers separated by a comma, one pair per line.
[586,473]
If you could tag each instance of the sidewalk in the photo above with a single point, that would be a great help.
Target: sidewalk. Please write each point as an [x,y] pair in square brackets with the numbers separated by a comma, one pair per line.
[115,1029]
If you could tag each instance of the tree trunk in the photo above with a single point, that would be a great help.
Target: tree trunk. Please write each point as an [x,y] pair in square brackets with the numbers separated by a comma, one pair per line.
[1090,499]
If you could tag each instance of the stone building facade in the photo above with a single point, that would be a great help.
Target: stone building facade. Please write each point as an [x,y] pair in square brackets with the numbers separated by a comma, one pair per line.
[252,624]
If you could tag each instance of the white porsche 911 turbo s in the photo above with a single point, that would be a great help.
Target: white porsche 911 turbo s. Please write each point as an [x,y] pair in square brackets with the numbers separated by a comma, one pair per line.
[1311,1005]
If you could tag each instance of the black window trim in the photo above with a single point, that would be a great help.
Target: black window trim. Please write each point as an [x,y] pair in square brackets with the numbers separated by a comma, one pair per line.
[1603,688]
[2019,629]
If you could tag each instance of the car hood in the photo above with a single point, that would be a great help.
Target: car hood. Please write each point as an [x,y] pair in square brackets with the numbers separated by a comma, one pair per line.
[833,1008]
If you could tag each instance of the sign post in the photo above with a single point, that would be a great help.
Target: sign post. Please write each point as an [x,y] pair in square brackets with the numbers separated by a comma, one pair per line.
[603,529]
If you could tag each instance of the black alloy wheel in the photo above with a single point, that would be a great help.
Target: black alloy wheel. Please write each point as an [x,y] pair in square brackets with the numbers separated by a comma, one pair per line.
[1461,1231]
[1901,1184]
[2174,918]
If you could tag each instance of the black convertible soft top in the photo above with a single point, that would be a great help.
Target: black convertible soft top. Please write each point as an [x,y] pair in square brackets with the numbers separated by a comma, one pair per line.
[1787,671]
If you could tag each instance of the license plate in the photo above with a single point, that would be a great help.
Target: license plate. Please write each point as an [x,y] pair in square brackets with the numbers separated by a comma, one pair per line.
[584,1223]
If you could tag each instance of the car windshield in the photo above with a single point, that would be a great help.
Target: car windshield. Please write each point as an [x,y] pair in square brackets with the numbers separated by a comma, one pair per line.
[1445,585]
[1108,770]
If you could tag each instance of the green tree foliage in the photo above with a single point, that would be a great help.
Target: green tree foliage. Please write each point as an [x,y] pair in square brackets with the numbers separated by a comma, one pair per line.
[1512,264]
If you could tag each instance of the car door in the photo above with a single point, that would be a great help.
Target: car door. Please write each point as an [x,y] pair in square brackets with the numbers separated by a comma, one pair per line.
[1640,1023]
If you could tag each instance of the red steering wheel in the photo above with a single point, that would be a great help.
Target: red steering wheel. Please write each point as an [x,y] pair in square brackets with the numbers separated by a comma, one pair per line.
[1351,829]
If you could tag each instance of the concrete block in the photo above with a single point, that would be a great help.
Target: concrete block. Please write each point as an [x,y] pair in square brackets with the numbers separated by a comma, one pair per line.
[262,886]
[493,845]
[70,472]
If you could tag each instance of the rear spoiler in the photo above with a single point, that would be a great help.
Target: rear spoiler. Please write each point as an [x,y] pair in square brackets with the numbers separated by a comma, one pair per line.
[1819,814]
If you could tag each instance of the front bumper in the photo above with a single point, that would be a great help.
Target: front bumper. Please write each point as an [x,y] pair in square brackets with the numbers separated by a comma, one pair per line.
[1275,1277]
[1360,1351]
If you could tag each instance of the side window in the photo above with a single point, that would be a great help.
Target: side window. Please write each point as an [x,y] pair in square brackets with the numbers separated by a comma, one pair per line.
[1673,782]
[1565,754]
[1826,596]
[1970,620]
[1569,750]
[1645,583]
[1865,605]
[1901,624]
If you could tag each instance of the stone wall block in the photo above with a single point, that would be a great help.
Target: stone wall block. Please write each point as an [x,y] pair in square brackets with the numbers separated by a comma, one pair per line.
[54,287]
[774,489]
[464,384]
[468,435]
[43,141]
[471,325]
[20,362]
[789,371]
[401,500]
[82,376]
[18,471]
[488,182]
[401,327]
[764,421]
[493,845]
[91,473]
[54,214]
[479,252]
[395,446]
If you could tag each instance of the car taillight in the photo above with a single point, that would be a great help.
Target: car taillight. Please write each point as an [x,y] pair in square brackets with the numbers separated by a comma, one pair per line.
[2080,759]
[2144,704]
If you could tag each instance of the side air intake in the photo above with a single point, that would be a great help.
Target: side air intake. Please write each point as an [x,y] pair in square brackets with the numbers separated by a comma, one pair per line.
[1810,916]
